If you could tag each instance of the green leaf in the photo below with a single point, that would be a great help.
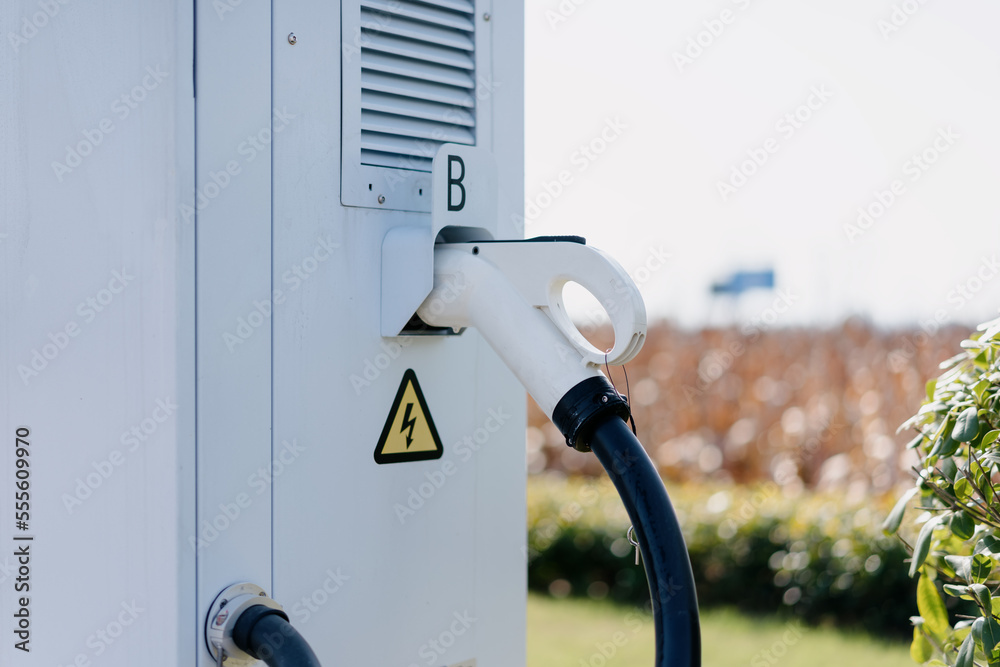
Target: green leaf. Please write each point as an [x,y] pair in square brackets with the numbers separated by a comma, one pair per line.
[920,649]
[991,635]
[929,387]
[946,446]
[990,544]
[966,426]
[982,565]
[962,566]
[990,437]
[965,653]
[937,406]
[980,389]
[932,609]
[949,469]
[923,544]
[962,525]
[891,523]
[982,595]
[957,591]
[963,489]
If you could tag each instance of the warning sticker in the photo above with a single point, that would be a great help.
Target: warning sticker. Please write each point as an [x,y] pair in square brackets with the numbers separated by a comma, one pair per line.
[409,433]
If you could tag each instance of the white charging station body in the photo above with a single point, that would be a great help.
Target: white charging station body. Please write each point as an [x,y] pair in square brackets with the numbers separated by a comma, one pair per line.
[196,206]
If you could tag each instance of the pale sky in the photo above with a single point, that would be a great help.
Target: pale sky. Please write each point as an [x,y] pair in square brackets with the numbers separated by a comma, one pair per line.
[832,104]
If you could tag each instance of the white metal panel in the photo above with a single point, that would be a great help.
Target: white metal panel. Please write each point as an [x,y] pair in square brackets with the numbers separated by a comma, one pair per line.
[365,581]
[236,124]
[96,322]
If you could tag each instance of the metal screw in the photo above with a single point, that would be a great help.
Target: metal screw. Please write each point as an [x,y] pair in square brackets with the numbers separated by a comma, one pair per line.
[292,38]
[486,16]
[381,199]
[604,399]
[223,603]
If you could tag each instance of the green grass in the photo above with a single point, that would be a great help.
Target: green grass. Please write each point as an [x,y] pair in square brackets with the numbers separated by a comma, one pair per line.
[581,633]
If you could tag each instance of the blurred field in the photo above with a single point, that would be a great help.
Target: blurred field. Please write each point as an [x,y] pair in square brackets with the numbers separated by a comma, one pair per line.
[809,408]
[583,633]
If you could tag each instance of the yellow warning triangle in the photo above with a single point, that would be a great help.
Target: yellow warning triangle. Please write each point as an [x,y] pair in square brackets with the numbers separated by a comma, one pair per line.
[409,433]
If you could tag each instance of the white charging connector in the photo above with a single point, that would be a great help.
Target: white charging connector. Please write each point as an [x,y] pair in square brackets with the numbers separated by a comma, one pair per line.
[511,292]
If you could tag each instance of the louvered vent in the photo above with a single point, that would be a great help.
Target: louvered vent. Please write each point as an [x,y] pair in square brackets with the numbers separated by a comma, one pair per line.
[418,82]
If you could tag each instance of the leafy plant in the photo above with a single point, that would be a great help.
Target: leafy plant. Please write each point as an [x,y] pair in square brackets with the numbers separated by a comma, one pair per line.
[957,549]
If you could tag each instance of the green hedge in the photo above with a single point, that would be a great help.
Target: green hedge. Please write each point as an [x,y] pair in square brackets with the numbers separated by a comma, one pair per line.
[751,548]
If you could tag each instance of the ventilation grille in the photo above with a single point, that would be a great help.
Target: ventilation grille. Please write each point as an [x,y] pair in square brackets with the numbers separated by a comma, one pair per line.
[418,84]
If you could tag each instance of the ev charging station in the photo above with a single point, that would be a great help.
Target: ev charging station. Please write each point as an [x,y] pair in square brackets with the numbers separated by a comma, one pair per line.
[266,330]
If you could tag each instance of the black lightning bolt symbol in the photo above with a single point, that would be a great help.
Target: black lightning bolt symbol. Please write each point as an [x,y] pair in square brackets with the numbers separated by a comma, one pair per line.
[408,423]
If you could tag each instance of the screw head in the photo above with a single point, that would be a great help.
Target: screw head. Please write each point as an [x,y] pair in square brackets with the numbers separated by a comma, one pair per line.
[486,16]
[381,199]
[292,38]
[604,399]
